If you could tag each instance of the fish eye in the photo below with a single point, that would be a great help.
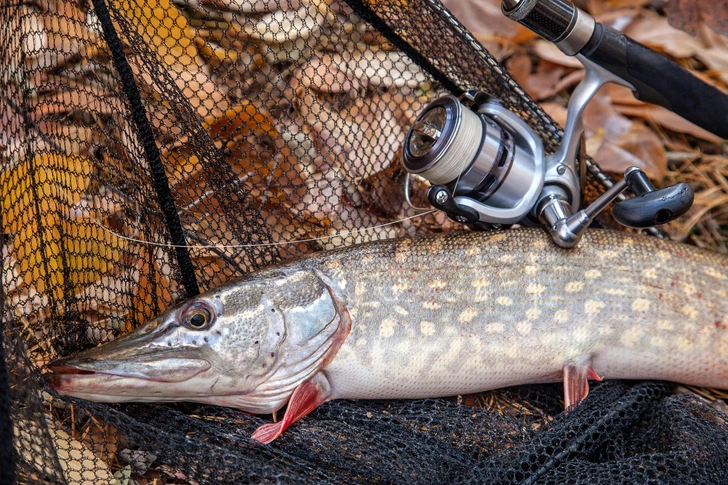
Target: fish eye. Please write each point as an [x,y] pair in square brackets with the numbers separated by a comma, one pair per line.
[197,317]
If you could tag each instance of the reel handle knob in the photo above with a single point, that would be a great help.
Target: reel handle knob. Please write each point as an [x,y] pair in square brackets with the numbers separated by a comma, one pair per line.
[655,207]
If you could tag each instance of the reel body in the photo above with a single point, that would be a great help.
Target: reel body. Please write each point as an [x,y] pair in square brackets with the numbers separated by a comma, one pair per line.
[488,162]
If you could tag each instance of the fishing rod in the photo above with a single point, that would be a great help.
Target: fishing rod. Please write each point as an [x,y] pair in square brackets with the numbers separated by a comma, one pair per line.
[488,169]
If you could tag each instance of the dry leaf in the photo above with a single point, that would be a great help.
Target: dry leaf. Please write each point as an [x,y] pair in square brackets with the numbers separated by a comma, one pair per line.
[86,99]
[597,6]
[38,196]
[519,66]
[688,15]
[81,466]
[483,18]
[329,73]
[549,52]
[667,119]
[543,83]
[279,26]
[249,139]
[55,39]
[625,102]
[550,79]
[653,31]
[381,192]
[556,111]
[250,6]
[617,143]
[716,58]
[378,67]
[711,38]
[165,28]
[156,289]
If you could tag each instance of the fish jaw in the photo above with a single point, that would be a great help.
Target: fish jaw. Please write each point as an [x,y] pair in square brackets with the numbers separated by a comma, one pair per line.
[207,387]
[97,387]
[115,380]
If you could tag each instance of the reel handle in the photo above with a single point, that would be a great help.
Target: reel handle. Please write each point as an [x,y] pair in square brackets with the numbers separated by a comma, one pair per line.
[649,208]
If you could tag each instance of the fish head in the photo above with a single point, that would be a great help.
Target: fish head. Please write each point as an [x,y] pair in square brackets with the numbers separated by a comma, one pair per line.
[247,344]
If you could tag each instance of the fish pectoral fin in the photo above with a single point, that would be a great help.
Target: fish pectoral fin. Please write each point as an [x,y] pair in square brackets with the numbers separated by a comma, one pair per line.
[309,395]
[576,383]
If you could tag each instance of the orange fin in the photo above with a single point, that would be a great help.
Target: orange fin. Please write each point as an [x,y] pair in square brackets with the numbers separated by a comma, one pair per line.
[309,395]
[576,383]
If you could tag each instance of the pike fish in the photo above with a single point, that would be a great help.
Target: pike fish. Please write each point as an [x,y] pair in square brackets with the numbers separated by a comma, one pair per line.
[432,316]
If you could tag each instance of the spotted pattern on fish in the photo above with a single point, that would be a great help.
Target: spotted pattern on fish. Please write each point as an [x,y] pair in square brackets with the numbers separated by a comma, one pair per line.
[431,316]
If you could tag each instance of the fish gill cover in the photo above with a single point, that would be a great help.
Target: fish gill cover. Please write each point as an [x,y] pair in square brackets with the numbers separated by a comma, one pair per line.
[151,150]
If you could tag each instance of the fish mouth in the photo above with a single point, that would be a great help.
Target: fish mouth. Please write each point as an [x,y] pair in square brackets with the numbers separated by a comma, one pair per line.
[135,377]
[67,369]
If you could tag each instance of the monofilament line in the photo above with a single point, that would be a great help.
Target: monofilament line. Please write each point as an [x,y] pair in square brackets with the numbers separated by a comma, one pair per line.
[279,243]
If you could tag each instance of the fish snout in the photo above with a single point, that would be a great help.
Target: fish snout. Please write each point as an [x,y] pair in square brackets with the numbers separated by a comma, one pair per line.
[90,371]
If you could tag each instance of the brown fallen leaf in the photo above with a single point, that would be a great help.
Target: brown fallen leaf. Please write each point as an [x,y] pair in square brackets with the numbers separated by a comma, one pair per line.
[654,31]
[156,289]
[716,58]
[542,84]
[250,6]
[247,136]
[38,198]
[549,52]
[329,73]
[557,111]
[483,18]
[551,79]
[86,99]
[381,192]
[667,119]
[688,15]
[519,66]
[597,6]
[711,38]
[56,38]
[80,463]
[617,143]
[625,102]
[165,28]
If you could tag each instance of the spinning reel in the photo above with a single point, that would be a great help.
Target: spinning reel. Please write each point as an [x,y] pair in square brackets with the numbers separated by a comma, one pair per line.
[488,168]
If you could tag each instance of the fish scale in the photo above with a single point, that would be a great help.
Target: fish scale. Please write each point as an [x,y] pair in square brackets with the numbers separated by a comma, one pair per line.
[432,316]
[511,308]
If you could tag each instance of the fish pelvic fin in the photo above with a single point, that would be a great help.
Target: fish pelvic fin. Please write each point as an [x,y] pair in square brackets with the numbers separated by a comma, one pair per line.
[576,383]
[309,395]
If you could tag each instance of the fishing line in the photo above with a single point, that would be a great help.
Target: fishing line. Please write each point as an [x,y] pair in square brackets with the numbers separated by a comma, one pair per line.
[280,243]
[464,148]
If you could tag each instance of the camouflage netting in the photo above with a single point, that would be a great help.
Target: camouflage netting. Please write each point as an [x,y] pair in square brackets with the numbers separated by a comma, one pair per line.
[130,130]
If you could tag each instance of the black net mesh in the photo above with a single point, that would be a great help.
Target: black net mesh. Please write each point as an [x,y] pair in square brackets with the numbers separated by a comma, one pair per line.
[150,150]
